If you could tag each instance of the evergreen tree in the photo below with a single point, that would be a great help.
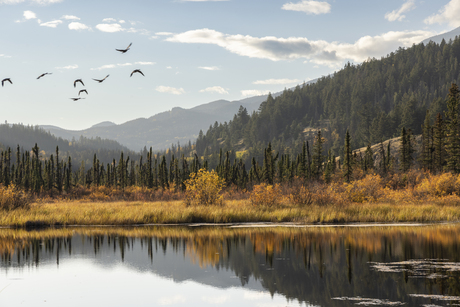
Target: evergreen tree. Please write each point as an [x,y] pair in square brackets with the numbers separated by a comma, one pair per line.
[453,131]
[317,158]
[347,158]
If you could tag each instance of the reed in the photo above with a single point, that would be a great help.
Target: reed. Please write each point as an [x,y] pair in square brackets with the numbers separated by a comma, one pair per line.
[238,211]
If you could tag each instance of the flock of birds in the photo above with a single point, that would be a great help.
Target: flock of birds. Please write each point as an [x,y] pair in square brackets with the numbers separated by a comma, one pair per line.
[80,80]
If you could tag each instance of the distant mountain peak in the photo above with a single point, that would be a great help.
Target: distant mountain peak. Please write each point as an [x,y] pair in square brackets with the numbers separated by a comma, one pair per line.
[104,124]
[446,36]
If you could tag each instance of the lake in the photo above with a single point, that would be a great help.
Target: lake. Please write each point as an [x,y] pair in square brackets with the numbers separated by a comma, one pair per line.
[412,265]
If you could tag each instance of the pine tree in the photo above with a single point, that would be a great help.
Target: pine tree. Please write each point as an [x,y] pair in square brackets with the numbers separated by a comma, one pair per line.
[453,131]
[368,158]
[58,179]
[427,144]
[439,144]
[317,158]
[347,158]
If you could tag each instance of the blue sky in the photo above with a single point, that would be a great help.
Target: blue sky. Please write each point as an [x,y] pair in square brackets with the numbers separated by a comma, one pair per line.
[191,52]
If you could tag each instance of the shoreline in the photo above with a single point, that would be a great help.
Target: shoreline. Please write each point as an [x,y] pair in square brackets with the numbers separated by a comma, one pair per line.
[248,225]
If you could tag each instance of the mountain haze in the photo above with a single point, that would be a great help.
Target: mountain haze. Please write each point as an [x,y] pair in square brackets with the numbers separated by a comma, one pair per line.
[161,130]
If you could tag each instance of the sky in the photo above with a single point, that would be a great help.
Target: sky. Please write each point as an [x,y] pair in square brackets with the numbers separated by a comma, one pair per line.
[191,52]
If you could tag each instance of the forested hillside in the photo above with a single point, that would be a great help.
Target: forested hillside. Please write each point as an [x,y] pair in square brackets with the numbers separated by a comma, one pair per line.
[373,100]
[81,149]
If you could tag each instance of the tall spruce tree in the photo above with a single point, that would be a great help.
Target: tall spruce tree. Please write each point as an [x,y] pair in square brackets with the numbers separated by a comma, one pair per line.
[347,158]
[453,130]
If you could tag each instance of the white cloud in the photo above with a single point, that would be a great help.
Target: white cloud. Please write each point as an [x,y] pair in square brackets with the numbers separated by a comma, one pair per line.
[291,48]
[168,67]
[145,63]
[171,90]
[448,14]
[110,28]
[5,56]
[121,21]
[70,17]
[75,66]
[29,15]
[134,30]
[276,81]
[398,14]
[248,93]
[108,66]
[163,33]
[104,67]
[116,27]
[51,24]
[209,67]
[11,1]
[109,20]
[41,2]
[309,7]
[44,2]
[214,89]
[78,26]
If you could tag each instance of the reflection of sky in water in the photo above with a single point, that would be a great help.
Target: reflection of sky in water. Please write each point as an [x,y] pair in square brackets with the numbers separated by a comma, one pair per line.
[330,267]
[82,283]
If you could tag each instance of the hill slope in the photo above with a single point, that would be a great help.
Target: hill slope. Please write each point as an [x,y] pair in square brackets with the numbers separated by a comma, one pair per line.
[372,100]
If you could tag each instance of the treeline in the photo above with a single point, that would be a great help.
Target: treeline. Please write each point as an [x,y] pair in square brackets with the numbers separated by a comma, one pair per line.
[82,149]
[373,101]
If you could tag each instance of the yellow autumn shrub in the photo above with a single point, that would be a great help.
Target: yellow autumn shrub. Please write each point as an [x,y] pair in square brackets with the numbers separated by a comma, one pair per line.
[439,185]
[367,189]
[12,197]
[203,188]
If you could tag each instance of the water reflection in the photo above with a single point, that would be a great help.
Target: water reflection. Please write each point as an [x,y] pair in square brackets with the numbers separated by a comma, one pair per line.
[378,266]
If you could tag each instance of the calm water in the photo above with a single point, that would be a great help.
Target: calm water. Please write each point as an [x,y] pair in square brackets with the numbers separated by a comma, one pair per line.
[214,266]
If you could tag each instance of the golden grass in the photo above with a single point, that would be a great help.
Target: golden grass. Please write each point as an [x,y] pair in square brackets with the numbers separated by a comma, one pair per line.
[237,211]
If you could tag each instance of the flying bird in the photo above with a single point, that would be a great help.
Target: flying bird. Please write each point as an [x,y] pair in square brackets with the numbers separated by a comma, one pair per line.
[100,80]
[124,50]
[6,79]
[42,75]
[75,82]
[82,91]
[75,99]
[137,70]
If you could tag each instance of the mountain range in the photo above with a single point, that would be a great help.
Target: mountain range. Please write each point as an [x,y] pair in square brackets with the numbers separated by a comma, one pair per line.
[159,131]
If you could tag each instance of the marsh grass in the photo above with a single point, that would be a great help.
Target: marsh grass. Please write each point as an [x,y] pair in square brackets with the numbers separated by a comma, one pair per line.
[411,197]
[241,211]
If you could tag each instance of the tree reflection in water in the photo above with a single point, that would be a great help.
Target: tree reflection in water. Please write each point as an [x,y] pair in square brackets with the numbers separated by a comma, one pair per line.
[336,266]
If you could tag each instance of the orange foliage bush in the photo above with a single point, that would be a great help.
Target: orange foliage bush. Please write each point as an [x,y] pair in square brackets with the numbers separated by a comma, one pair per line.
[439,185]
[265,195]
[368,189]
[299,194]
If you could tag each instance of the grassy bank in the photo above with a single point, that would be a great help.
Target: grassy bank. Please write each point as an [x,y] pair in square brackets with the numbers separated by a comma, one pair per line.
[175,212]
